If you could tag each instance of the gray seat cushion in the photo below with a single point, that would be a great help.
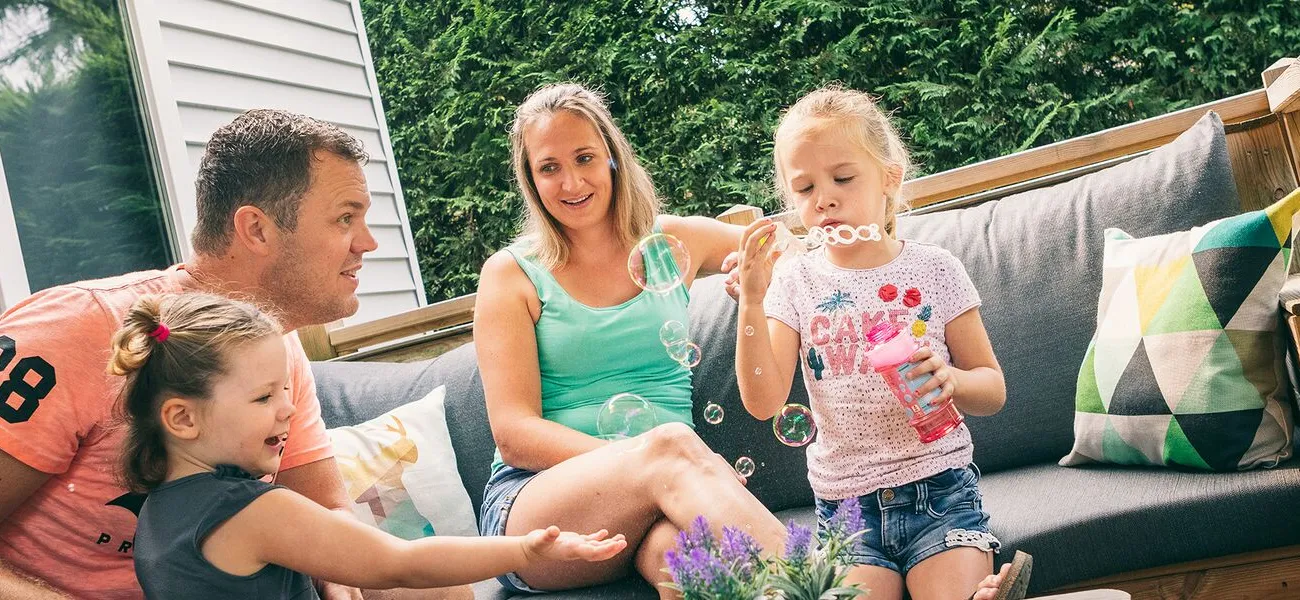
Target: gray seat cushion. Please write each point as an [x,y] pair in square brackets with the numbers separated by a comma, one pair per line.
[1036,260]
[1084,523]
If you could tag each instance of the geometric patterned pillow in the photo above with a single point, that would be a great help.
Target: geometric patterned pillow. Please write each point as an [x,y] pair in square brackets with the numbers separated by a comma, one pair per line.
[1186,366]
[399,470]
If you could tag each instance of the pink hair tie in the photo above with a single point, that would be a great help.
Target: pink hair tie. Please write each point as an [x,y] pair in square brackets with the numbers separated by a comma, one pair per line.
[160,333]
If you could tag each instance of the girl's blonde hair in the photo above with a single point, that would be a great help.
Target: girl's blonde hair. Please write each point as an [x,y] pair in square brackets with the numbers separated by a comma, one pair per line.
[868,127]
[634,199]
[173,345]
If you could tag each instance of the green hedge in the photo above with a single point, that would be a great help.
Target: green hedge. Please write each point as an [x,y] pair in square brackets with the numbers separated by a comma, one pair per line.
[698,86]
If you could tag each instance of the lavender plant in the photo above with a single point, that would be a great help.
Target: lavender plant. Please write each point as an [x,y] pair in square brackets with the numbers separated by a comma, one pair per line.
[808,573]
[704,568]
[733,568]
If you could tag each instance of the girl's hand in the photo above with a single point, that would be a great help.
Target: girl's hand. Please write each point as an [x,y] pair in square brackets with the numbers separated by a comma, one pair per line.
[988,589]
[942,375]
[553,544]
[757,256]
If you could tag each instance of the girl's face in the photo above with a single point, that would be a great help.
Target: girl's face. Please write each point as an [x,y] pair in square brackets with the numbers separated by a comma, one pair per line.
[246,421]
[831,179]
[570,167]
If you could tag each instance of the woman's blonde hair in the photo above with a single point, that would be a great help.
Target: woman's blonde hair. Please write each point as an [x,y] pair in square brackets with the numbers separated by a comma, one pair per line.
[867,126]
[173,345]
[634,199]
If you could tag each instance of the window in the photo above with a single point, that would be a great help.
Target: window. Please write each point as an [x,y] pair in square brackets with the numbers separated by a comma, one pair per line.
[80,176]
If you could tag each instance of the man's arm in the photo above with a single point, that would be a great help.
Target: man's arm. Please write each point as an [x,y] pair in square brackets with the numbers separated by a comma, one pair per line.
[320,481]
[17,483]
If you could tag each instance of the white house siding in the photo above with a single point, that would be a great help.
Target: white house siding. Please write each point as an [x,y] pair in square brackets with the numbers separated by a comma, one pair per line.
[213,59]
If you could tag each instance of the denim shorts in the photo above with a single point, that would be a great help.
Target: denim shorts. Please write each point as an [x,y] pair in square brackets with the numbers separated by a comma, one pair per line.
[912,522]
[503,487]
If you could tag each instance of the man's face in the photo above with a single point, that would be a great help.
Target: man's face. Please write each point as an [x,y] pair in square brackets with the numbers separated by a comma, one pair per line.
[313,280]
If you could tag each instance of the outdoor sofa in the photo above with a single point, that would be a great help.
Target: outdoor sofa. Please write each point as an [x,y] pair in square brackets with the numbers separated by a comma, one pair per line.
[1028,228]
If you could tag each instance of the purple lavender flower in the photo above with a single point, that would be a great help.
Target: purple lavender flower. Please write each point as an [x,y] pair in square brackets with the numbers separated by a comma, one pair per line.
[739,551]
[798,542]
[847,519]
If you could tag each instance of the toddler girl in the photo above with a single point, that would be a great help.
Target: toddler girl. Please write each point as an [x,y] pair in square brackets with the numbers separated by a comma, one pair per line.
[207,406]
[840,165]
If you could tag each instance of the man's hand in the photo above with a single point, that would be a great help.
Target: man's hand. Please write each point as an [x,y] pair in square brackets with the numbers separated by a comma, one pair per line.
[334,591]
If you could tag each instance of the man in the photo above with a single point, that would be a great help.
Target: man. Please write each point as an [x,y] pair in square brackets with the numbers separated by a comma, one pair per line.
[281,204]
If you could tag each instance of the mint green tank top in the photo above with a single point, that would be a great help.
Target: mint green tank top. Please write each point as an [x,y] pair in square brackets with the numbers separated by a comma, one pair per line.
[586,354]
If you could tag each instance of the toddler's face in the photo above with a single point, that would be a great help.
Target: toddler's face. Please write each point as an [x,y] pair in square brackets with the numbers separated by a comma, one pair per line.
[246,422]
[831,179]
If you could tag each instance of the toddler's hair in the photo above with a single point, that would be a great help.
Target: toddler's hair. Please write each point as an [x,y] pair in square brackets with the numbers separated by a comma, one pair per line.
[867,125]
[173,345]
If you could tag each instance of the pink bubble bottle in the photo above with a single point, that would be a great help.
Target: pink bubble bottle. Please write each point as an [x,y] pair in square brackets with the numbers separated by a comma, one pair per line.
[890,356]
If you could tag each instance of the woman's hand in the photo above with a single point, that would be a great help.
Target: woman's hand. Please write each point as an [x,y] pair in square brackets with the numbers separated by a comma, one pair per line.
[731,266]
[553,544]
[757,257]
[942,376]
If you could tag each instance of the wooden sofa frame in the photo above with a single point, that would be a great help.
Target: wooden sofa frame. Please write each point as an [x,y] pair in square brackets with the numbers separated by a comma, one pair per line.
[1263,135]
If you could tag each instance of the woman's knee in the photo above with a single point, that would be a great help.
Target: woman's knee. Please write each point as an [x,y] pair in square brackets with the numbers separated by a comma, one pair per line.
[676,441]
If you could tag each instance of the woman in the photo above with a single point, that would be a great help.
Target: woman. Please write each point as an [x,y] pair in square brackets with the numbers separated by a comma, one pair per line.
[560,327]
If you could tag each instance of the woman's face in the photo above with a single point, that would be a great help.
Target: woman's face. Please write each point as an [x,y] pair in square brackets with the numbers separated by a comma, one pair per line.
[570,167]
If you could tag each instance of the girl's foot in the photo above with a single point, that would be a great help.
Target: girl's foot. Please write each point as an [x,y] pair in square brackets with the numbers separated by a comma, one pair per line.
[1010,583]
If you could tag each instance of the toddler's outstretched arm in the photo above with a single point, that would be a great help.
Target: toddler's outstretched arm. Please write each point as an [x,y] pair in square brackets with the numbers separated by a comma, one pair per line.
[767,350]
[284,528]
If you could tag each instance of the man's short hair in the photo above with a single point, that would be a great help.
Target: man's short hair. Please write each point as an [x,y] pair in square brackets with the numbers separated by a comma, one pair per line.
[262,158]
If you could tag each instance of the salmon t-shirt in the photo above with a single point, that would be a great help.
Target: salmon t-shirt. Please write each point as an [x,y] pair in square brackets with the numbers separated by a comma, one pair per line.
[57,416]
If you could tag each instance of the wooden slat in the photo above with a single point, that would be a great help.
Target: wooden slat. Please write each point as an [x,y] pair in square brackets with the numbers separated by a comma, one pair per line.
[1275,70]
[1260,162]
[1283,553]
[741,214]
[1284,92]
[1077,152]
[1291,131]
[316,341]
[456,311]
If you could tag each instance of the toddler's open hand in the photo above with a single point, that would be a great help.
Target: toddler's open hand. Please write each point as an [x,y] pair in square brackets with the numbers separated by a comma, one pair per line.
[927,361]
[553,544]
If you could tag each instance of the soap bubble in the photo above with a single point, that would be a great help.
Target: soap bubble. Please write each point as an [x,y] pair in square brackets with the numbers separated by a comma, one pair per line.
[749,330]
[659,263]
[688,354]
[625,416]
[745,466]
[794,425]
[673,332]
[713,413]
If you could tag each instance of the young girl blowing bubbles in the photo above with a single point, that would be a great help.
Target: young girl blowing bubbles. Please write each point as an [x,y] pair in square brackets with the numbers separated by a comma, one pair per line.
[839,161]
[206,402]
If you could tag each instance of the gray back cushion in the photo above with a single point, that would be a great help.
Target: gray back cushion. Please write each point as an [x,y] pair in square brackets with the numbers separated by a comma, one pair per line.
[780,480]
[1036,259]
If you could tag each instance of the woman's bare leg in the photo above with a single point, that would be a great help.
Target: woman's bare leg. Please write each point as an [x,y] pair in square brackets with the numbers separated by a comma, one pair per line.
[650,562]
[626,487]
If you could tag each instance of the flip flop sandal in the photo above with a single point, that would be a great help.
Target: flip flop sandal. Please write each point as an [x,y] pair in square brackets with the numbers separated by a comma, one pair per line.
[1016,583]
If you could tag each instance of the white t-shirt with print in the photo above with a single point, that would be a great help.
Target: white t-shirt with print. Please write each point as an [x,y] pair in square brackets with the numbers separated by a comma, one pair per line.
[864,442]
